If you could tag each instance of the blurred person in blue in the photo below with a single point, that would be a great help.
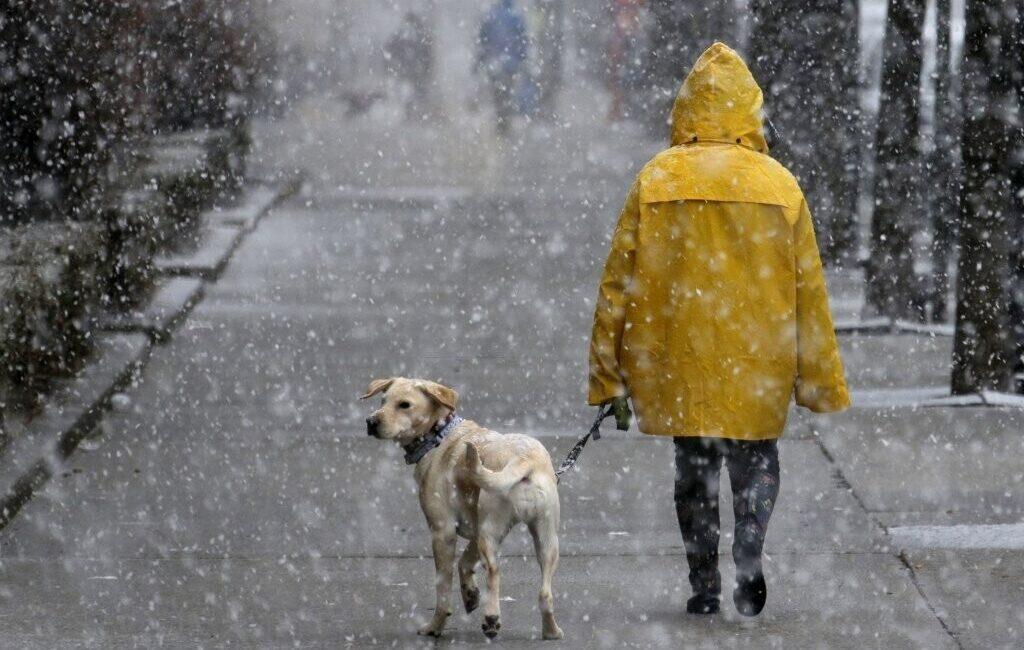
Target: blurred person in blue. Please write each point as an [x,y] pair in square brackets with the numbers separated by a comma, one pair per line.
[502,46]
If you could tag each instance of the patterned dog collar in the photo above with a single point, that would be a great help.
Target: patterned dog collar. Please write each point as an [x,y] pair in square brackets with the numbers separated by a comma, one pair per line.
[417,449]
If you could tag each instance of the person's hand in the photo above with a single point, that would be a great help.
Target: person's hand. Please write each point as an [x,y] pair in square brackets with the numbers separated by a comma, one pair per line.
[623,416]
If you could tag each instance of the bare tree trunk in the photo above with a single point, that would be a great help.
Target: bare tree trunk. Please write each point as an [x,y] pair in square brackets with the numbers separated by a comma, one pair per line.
[843,172]
[945,165]
[891,282]
[806,62]
[981,352]
[1017,193]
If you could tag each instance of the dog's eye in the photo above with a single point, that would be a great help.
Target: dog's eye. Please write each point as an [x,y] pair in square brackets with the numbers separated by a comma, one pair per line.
[404,405]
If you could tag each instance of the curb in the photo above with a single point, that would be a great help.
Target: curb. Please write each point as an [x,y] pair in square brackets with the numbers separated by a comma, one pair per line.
[932,397]
[208,261]
[890,326]
[57,446]
[225,230]
[174,299]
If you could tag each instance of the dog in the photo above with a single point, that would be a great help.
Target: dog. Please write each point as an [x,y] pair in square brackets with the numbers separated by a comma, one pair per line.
[473,483]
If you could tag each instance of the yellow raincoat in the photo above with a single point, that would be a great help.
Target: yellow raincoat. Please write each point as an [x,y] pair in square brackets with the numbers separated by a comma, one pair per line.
[713,308]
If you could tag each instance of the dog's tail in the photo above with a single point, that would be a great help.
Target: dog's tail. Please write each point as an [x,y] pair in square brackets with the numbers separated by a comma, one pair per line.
[516,470]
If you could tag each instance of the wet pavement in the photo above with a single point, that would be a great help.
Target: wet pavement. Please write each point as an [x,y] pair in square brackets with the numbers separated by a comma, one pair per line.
[238,502]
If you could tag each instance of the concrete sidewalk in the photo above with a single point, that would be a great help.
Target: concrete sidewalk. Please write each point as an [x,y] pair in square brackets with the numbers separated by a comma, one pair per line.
[239,503]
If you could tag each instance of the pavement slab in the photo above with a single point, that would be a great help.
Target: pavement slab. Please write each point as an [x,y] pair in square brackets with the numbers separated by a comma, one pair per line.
[933,465]
[979,593]
[319,602]
[874,361]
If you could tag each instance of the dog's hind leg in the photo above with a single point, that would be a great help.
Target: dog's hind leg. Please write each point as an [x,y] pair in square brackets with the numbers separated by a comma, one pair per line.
[488,539]
[545,543]
[467,580]
[444,565]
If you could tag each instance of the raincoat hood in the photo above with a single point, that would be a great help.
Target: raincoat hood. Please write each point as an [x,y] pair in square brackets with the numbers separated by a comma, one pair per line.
[719,102]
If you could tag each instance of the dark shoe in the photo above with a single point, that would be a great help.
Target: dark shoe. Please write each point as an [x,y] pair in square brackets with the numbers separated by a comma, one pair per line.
[703,604]
[750,594]
[704,577]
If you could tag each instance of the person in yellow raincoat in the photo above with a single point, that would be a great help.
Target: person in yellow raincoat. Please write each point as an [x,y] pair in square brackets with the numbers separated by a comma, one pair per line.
[712,312]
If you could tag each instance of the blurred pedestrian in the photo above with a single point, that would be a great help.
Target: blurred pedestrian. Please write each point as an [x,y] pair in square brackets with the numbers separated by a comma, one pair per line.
[712,311]
[410,53]
[501,54]
[623,52]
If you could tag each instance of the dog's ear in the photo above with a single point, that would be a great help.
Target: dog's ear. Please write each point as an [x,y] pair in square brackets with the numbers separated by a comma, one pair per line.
[441,394]
[376,386]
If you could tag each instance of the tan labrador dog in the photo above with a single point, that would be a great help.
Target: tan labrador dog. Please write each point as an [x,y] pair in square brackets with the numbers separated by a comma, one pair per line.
[474,483]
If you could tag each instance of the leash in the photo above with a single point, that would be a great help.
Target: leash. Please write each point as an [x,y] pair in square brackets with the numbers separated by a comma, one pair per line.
[776,136]
[577,449]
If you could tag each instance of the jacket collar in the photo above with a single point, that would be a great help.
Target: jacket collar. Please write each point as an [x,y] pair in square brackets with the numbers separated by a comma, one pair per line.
[417,449]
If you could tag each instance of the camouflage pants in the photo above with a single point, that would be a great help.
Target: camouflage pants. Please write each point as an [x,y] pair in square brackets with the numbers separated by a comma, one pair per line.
[754,478]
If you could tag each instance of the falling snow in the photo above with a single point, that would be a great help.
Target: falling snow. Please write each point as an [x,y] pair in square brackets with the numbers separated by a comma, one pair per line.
[222,222]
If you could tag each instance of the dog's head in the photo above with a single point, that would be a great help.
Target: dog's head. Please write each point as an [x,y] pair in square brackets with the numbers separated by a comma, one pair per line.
[408,408]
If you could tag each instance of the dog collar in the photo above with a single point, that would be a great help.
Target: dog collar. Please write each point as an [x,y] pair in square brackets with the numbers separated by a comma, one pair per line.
[417,449]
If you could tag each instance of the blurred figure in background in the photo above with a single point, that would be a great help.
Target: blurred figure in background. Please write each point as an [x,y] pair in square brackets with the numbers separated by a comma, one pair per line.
[549,50]
[410,55]
[501,54]
[624,50]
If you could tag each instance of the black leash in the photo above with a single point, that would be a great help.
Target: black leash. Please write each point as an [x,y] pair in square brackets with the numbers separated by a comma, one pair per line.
[777,140]
[577,449]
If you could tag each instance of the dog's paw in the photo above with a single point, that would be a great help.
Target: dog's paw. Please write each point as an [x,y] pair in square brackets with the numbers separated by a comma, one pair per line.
[434,628]
[491,626]
[471,599]
[551,630]
[430,630]
[552,634]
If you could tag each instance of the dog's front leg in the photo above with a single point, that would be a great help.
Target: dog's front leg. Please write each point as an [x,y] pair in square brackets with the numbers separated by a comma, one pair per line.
[444,566]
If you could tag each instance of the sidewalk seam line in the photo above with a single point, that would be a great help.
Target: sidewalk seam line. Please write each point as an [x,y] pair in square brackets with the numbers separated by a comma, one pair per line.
[901,556]
[917,585]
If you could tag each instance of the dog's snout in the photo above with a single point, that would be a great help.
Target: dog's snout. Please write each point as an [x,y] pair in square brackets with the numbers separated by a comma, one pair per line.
[371,426]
